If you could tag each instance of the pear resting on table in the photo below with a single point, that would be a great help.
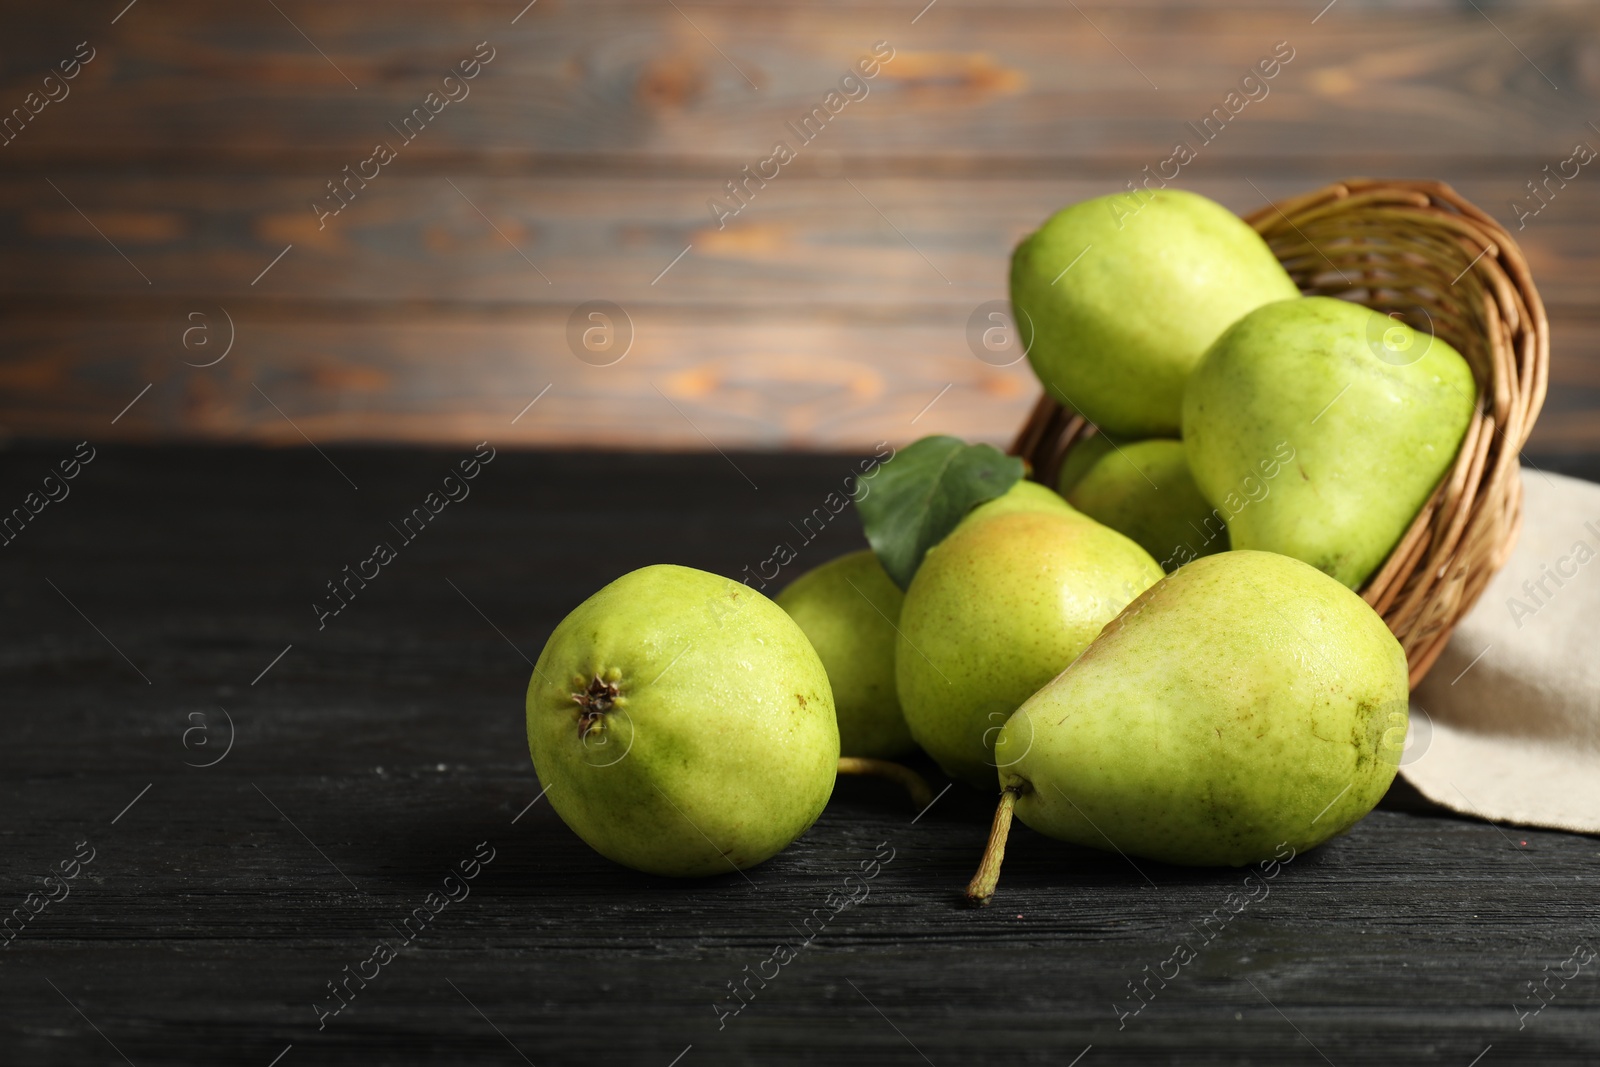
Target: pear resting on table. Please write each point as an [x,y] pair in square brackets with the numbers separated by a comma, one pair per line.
[1247,701]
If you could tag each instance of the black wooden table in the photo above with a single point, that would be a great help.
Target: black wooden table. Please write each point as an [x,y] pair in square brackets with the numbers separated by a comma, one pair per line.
[219,914]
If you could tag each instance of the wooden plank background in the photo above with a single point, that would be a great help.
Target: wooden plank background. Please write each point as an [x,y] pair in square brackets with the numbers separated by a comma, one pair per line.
[139,212]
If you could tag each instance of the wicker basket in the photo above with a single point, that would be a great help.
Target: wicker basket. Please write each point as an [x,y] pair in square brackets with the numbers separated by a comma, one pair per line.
[1419,249]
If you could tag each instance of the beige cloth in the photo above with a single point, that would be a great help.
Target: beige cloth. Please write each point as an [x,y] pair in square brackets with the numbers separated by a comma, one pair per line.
[1507,724]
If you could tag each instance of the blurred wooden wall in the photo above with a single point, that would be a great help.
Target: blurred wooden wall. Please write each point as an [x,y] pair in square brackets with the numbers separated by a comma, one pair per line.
[139,210]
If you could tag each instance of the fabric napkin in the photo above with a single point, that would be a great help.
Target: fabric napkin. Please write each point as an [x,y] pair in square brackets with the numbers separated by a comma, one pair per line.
[1506,726]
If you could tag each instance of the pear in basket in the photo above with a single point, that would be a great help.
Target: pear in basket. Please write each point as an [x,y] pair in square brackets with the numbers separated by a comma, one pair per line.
[1363,413]
[1117,298]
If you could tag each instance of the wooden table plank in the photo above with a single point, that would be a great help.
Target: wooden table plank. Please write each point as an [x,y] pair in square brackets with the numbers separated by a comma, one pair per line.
[692,381]
[768,382]
[809,322]
[207,927]
[972,86]
[886,243]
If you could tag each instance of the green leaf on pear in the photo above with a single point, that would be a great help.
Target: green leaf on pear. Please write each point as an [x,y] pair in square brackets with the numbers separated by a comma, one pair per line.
[919,496]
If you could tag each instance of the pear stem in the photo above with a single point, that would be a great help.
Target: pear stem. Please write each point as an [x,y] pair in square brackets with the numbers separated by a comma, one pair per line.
[981,889]
[914,783]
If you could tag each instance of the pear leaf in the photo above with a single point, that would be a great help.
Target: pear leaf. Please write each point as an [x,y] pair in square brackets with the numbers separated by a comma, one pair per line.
[918,496]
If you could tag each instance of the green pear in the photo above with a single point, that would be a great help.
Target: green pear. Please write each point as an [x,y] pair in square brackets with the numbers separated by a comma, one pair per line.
[849,608]
[1024,496]
[997,609]
[1118,297]
[1245,703]
[1143,489]
[682,724]
[1318,428]
[1083,455]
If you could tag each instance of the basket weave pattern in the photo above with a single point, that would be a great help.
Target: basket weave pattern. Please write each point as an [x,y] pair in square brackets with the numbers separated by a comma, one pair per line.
[1417,249]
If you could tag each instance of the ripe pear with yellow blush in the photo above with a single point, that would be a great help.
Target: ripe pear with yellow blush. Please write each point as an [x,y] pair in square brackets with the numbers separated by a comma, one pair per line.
[999,607]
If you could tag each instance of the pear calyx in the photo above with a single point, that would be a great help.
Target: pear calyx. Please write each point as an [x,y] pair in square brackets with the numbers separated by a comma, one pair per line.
[597,699]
